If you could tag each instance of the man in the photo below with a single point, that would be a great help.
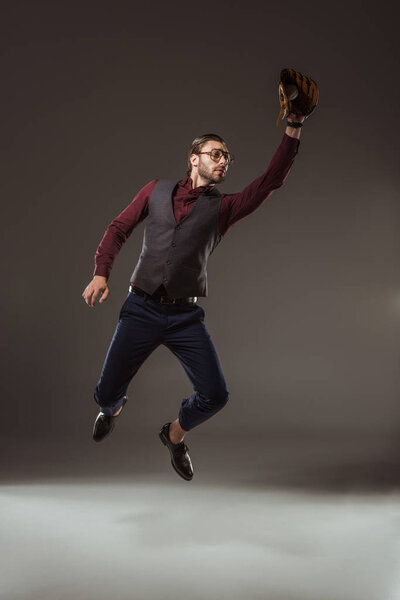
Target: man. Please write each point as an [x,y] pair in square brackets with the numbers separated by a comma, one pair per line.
[185,222]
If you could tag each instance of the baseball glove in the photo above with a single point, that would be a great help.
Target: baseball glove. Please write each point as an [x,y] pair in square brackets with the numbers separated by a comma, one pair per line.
[298,94]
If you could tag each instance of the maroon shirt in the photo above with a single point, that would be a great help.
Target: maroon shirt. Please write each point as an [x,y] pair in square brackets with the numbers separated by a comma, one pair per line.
[234,207]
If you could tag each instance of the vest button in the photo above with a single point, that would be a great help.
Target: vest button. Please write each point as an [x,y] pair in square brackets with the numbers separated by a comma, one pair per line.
[168,262]
[165,279]
[178,227]
[173,244]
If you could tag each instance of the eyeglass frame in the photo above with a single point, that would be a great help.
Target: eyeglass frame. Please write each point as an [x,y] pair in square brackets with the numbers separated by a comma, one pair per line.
[229,158]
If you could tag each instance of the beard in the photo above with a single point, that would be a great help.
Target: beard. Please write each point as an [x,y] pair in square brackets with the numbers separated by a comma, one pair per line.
[210,174]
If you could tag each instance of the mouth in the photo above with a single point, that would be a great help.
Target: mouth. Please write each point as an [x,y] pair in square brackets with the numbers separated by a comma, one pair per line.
[220,171]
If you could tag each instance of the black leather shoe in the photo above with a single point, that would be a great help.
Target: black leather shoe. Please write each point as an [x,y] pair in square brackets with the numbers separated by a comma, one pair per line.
[104,425]
[180,458]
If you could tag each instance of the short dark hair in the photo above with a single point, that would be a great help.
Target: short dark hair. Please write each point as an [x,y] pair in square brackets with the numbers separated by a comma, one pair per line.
[198,144]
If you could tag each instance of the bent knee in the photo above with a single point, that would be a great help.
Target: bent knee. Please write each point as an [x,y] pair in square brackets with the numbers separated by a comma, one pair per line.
[223,398]
[214,400]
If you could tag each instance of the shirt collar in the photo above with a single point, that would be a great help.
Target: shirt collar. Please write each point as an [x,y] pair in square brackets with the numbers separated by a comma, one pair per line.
[187,183]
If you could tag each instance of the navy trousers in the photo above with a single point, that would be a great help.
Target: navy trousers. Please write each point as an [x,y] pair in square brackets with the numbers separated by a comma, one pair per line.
[144,325]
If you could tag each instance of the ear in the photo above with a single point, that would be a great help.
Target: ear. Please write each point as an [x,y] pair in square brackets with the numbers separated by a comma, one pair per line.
[194,159]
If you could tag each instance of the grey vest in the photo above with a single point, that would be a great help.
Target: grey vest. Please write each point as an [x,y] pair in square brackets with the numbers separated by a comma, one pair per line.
[175,255]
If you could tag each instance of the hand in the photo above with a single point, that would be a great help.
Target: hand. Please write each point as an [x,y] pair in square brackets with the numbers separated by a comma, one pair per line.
[97,286]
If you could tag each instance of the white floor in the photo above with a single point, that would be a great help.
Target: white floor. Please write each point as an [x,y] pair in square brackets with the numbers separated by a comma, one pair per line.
[146,540]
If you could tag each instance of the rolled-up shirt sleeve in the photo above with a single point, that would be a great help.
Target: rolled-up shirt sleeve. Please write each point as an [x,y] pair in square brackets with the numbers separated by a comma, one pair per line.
[120,229]
[235,207]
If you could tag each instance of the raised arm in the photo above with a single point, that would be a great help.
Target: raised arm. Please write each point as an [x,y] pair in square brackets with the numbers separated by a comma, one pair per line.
[235,207]
[114,238]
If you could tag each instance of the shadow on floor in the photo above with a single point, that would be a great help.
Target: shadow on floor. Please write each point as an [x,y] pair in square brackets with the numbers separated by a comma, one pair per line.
[307,462]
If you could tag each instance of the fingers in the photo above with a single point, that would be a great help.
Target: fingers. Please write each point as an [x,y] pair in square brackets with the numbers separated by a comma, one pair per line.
[104,295]
[89,296]
[91,293]
[85,293]
[93,297]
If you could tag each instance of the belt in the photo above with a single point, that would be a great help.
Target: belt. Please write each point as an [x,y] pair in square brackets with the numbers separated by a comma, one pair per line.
[163,299]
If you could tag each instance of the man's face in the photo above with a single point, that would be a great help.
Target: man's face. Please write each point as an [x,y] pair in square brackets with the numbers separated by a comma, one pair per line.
[213,171]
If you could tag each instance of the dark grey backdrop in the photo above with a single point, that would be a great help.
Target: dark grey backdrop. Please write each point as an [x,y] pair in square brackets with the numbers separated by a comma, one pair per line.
[304,299]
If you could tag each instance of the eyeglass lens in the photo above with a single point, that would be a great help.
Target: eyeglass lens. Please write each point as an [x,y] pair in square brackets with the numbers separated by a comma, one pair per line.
[216,155]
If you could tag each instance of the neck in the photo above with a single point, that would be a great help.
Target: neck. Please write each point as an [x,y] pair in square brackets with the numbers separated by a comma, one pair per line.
[198,180]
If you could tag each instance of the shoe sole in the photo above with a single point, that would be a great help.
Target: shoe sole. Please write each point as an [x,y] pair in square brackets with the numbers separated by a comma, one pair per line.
[161,436]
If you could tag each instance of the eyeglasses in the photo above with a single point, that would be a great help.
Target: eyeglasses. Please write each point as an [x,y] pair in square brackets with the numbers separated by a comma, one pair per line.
[215,155]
